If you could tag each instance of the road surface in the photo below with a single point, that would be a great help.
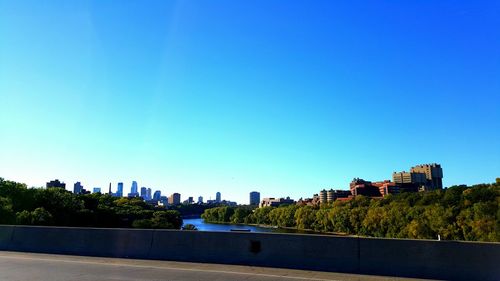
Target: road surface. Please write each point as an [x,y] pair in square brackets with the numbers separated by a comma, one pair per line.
[30,266]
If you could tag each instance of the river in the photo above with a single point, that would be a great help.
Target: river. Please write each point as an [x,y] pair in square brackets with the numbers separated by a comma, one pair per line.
[204,226]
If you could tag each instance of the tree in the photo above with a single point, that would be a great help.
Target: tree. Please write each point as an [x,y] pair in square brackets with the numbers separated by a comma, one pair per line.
[40,216]
[23,218]
[142,223]
[239,215]
[305,217]
[261,215]
[166,219]
[7,215]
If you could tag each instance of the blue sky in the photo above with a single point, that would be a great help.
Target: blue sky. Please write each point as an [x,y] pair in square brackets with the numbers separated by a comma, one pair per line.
[283,97]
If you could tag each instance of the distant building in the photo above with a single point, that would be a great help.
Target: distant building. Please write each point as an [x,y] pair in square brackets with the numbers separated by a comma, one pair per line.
[333,195]
[56,183]
[109,191]
[228,203]
[77,188]
[323,196]
[433,174]
[200,199]
[361,187]
[218,198]
[133,190]
[254,198]
[119,191]
[379,188]
[388,187]
[328,196]
[144,193]
[163,201]
[409,177]
[134,187]
[96,190]
[157,195]
[148,194]
[408,181]
[309,201]
[275,202]
[174,199]
[420,178]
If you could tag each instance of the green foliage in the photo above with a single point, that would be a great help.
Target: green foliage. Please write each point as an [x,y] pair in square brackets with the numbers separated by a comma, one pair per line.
[239,215]
[305,217]
[40,216]
[261,215]
[142,223]
[456,213]
[6,213]
[218,214]
[55,206]
[166,219]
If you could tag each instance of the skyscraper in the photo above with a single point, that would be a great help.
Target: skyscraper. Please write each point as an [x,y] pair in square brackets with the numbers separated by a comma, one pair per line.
[148,194]
[157,195]
[119,191]
[218,197]
[133,189]
[174,199]
[200,199]
[109,192]
[77,188]
[144,193]
[97,190]
[254,198]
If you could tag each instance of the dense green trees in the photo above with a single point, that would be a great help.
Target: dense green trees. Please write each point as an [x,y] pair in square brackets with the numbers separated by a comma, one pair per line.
[55,206]
[456,213]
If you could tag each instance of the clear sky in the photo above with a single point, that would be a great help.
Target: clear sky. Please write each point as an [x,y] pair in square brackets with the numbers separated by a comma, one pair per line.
[282,97]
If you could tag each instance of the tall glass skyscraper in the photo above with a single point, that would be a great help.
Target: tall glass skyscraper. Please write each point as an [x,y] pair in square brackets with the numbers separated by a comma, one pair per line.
[119,191]
[218,197]
[133,189]
[144,193]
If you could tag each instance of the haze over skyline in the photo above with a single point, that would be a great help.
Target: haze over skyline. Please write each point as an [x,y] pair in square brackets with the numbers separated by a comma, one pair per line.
[197,97]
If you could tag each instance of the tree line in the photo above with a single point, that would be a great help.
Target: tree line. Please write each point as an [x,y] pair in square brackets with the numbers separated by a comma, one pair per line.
[59,207]
[457,213]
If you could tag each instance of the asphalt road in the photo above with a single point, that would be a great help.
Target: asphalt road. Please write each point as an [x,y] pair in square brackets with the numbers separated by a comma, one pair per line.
[30,266]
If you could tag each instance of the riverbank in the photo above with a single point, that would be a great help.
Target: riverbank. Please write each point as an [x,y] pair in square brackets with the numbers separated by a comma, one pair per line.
[202,225]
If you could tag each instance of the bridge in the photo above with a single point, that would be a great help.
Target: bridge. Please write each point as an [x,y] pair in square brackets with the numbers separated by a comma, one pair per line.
[226,255]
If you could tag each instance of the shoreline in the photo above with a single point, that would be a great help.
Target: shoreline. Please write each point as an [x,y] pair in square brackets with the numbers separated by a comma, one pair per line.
[278,228]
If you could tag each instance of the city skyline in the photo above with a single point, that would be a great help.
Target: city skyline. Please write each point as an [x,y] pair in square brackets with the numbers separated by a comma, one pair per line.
[217,197]
[221,95]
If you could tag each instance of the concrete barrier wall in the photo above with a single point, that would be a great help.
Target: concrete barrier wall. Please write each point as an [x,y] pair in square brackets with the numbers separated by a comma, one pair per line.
[450,260]
[397,257]
[276,250]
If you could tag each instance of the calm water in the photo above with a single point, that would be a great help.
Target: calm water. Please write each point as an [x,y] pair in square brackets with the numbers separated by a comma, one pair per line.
[203,226]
